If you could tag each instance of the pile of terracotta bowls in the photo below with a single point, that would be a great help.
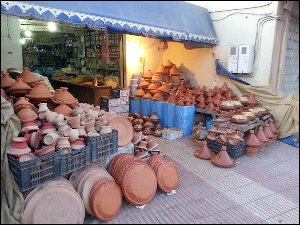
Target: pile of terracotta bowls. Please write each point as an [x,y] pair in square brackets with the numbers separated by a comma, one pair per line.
[144,145]
[222,159]
[101,196]
[148,125]
[166,173]
[224,134]
[54,202]
[135,177]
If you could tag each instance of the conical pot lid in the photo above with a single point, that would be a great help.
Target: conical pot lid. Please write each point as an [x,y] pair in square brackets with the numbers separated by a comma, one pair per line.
[62,96]
[174,71]
[268,132]
[39,91]
[6,81]
[28,77]
[148,96]
[26,114]
[152,86]
[204,152]
[63,109]
[261,135]
[19,85]
[148,74]
[222,159]
[161,70]
[20,103]
[139,93]
[252,140]
[158,97]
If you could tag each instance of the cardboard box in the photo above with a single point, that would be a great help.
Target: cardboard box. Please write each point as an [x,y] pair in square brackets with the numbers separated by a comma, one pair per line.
[113,109]
[124,108]
[119,92]
[107,102]
[124,92]
[124,100]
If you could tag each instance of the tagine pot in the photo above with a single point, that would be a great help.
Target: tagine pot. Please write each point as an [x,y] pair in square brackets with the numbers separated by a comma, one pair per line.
[39,93]
[20,103]
[28,77]
[63,109]
[261,137]
[204,152]
[222,159]
[26,114]
[268,133]
[6,81]
[62,96]
[19,89]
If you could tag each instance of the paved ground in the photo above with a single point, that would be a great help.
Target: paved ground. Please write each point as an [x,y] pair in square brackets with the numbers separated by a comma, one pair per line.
[262,189]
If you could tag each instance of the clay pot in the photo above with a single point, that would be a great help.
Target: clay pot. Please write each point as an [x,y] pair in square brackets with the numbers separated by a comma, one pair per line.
[45,150]
[28,77]
[144,84]
[26,114]
[105,130]
[20,103]
[165,88]
[210,106]
[172,98]
[138,127]
[260,135]
[48,128]
[147,131]
[62,96]
[51,138]
[6,81]
[19,88]
[63,109]
[139,93]
[158,97]
[158,133]
[152,86]
[18,147]
[29,126]
[180,101]
[251,151]
[148,96]
[201,105]
[63,142]
[252,140]
[211,136]
[148,74]
[78,143]
[154,118]
[169,64]
[225,88]
[39,93]
[174,71]
[251,99]
[222,159]
[204,152]
[272,127]
[268,133]
[161,70]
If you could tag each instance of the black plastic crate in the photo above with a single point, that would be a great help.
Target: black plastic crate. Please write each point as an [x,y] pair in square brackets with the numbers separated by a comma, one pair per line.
[235,151]
[104,145]
[75,160]
[32,173]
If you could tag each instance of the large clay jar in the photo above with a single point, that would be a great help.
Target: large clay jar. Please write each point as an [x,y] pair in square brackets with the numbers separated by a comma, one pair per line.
[19,88]
[28,77]
[63,109]
[39,93]
[26,114]
[204,152]
[20,103]
[268,133]
[222,159]
[252,144]
[6,81]
[62,96]
[261,136]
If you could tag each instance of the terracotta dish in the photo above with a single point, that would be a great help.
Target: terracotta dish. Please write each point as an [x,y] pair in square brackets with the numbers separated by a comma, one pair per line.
[124,128]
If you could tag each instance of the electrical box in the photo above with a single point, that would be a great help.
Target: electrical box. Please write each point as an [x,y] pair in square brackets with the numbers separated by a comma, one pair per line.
[233,56]
[245,59]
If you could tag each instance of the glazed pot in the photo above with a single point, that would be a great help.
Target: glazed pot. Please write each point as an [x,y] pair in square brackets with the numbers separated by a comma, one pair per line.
[105,130]
[50,116]
[63,142]
[6,81]
[62,96]
[82,132]
[51,138]
[78,144]
[88,124]
[28,77]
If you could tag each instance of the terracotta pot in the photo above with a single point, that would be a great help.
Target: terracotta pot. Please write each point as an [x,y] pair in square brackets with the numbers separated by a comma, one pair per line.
[201,105]
[222,159]
[158,133]
[6,81]
[26,114]
[212,136]
[62,96]
[19,88]
[148,74]
[165,88]
[139,93]
[174,71]
[272,127]
[161,70]
[39,93]
[144,84]
[20,103]
[252,140]
[105,130]
[158,97]
[210,106]
[154,118]
[63,109]
[147,130]
[29,126]
[203,152]
[169,64]
[172,98]
[78,143]
[261,136]
[63,142]
[138,127]
[268,133]
[18,147]
[28,77]
[225,88]
[251,151]
[152,86]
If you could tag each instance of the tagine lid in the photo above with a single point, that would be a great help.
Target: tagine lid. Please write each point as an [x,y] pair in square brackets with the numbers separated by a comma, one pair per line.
[6,81]
[22,101]
[63,109]
[39,91]
[148,74]
[124,128]
[161,70]
[26,114]
[28,77]
[148,96]
[139,93]
[174,70]
[167,176]
[222,159]
[158,97]
[19,85]
[141,176]
[63,96]
[46,203]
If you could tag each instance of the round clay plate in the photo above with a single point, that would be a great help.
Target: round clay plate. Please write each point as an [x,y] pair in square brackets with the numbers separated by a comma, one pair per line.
[167,177]
[106,200]
[124,128]
[139,184]
[78,174]
[54,205]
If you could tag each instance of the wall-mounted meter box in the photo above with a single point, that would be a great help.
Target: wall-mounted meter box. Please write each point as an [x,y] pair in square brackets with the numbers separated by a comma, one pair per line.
[233,56]
[245,59]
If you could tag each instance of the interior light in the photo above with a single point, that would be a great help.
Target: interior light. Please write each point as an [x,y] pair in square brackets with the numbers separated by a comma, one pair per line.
[27,33]
[22,41]
[52,26]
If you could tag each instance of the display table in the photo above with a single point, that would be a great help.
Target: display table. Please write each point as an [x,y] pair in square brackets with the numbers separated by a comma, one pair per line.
[84,93]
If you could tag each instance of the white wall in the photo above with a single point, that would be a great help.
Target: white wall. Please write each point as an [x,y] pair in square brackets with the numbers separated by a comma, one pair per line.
[241,29]
[11,49]
[137,47]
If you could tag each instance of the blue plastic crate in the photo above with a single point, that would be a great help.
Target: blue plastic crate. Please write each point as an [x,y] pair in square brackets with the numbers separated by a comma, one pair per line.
[30,174]
[103,146]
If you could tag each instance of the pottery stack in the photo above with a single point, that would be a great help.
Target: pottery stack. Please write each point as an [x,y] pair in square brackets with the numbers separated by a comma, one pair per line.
[252,144]
[101,195]
[64,100]
[54,202]
[144,146]
[135,177]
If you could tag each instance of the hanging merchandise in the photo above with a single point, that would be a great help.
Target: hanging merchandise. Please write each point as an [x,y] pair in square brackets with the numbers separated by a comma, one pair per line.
[168,115]
[145,107]
[134,105]
[105,48]
[157,107]
[184,118]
